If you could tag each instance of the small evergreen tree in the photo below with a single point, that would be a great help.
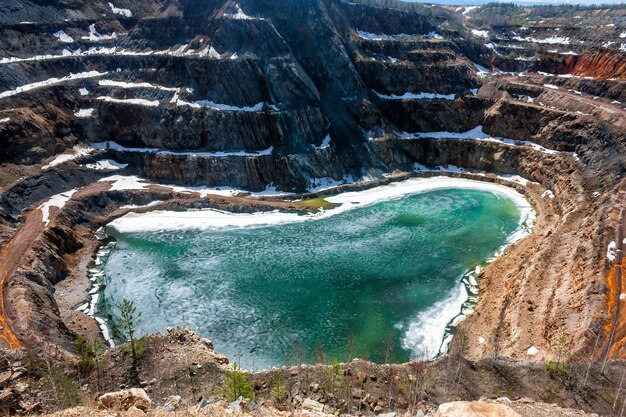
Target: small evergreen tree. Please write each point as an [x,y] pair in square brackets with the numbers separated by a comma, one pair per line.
[126,323]
[237,384]
[86,355]
[562,351]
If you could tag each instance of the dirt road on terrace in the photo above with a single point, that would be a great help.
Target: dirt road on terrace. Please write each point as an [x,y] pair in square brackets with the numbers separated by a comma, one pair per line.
[13,253]
[16,249]
[608,107]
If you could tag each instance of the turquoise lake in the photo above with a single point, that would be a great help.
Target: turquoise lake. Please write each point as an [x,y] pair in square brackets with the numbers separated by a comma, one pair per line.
[373,282]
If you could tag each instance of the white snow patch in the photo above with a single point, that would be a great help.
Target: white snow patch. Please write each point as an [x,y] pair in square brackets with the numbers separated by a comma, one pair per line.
[552,86]
[104,328]
[325,183]
[611,251]
[51,81]
[223,107]
[135,206]
[425,334]
[106,164]
[122,183]
[552,40]
[399,36]
[532,351]
[240,14]
[122,84]
[482,71]
[218,154]
[515,178]
[95,36]
[76,152]
[449,168]
[210,52]
[209,218]
[480,33]
[135,101]
[476,134]
[123,12]
[433,35]
[63,37]
[58,200]
[83,91]
[104,51]
[84,113]
[325,143]
[547,193]
[5,120]
[180,51]
[622,35]
[416,96]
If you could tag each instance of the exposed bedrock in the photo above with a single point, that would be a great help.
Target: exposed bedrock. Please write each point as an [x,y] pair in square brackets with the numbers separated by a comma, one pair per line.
[206,129]
[392,21]
[460,115]
[593,62]
[238,82]
[456,76]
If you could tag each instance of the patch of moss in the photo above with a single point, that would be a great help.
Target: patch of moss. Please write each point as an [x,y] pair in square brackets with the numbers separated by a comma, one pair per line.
[315,204]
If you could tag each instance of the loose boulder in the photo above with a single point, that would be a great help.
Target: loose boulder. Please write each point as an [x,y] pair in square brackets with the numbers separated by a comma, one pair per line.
[474,409]
[125,399]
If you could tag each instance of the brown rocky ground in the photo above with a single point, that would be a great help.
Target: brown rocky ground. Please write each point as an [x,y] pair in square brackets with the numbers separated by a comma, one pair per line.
[181,363]
[513,409]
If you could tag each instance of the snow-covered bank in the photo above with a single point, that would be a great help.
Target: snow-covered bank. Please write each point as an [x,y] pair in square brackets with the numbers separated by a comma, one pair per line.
[51,81]
[218,154]
[123,84]
[135,101]
[398,36]
[426,334]
[223,107]
[131,182]
[476,133]
[417,96]
[96,277]
[215,219]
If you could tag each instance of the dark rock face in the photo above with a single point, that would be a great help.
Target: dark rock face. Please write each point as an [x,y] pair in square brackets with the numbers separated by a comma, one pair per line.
[220,76]
[209,130]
